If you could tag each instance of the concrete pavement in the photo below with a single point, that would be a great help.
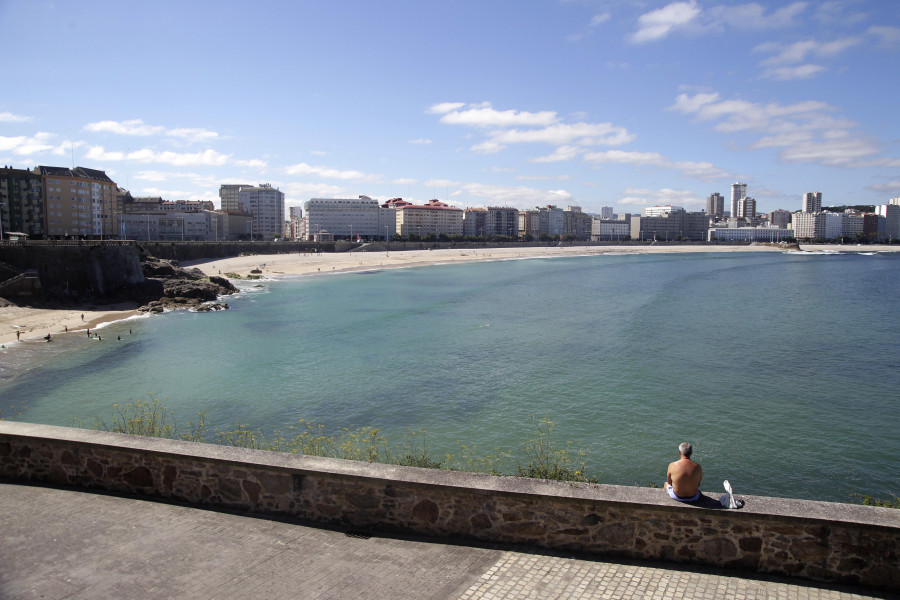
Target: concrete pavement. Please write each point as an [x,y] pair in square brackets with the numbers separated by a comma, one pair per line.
[69,544]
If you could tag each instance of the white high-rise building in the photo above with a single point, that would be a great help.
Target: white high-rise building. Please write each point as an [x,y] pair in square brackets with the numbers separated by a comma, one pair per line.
[738,193]
[606,212]
[266,204]
[812,202]
[891,214]
[346,217]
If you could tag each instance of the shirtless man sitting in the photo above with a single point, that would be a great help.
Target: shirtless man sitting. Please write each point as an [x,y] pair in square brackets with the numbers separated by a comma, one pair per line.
[684,476]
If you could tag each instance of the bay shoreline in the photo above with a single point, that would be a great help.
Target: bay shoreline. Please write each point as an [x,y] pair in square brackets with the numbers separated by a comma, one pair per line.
[33,324]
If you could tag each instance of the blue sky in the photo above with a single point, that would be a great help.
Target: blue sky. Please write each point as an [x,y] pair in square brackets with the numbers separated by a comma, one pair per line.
[590,103]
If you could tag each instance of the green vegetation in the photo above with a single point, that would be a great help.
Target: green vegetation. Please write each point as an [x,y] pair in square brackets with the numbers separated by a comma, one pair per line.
[894,502]
[540,457]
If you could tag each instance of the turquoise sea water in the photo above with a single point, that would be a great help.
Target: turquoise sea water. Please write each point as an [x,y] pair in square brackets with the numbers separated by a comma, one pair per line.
[782,369]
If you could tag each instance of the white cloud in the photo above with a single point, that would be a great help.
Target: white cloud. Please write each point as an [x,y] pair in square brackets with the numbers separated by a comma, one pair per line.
[584,134]
[485,116]
[562,153]
[445,107]
[705,171]
[888,35]
[891,187]
[487,147]
[656,24]
[641,197]
[404,181]
[8,117]
[328,172]
[132,127]
[543,177]
[803,131]
[441,183]
[254,163]
[779,64]
[753,15]
[791,73]
[164,175]
[545,127]
[599,19]
[192,134]
[205,158]
[515,196]
[420,142]
[99,154]
[297,189]
[24,145]
[596,21]
[137,127]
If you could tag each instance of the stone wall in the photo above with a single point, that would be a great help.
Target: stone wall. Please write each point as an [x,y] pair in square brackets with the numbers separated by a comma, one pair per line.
[816,540]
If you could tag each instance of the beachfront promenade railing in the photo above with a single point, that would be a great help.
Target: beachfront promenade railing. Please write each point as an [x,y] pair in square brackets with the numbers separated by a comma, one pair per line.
[817,540]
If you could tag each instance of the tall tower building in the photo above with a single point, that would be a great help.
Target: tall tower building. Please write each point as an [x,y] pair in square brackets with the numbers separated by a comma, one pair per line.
[812,202]
[229,195]
[606,212]
[266,204]
[738,193]
[715,205]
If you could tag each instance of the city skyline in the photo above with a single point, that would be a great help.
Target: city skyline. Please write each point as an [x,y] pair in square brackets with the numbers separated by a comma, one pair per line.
[567,103]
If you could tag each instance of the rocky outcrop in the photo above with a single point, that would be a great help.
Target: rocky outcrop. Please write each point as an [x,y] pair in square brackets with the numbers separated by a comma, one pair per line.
[168,285]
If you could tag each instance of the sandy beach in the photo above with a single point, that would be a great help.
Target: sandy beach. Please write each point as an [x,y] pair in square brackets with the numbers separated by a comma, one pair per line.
[35,323]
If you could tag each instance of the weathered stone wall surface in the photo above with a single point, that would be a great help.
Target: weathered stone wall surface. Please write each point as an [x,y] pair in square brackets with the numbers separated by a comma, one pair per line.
[816,540]
[74,271]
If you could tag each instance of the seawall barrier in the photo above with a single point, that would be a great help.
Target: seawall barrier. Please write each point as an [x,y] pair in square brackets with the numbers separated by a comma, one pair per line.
[822,541]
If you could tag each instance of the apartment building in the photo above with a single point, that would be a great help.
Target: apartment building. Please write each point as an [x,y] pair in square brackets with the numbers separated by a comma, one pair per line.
[21,202]
[780,218]
[608,230]
[715,205]
[812,202]
[491,221]
[676,224]
[434,217]
[230,196]
[345,217]
[79,202]
[266,204]
[891,215]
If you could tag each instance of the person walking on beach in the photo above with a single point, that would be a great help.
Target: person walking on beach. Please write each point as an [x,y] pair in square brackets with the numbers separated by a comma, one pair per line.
[18,333]
[684,476]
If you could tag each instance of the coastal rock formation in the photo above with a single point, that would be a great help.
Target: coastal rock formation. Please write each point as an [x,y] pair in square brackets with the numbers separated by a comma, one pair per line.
[168,285]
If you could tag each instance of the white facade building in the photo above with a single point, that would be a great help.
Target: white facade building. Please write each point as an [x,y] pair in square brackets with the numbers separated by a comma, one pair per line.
[749,234]
[603,230]
[606,212]
[738,193]
[435,217]
[833,225]
[812,202]
[891,214]
[659,211]
[174,226]
[266,204]
[345,217]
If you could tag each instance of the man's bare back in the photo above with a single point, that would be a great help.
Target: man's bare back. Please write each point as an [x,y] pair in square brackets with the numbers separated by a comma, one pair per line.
[684,475]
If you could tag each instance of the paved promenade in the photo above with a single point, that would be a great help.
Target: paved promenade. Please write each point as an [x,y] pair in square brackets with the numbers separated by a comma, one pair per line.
[65,544]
